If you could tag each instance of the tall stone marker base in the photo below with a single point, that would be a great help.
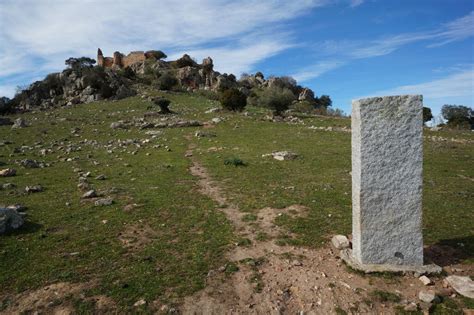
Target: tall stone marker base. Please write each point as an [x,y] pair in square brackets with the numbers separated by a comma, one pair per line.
[387,164]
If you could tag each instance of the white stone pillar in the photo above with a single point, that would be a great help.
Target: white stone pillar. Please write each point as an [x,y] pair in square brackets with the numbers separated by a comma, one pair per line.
[387,163]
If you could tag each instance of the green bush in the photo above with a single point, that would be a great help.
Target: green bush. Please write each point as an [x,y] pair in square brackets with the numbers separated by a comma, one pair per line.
[233,99]
[163,103]
[157,54]
[166,82]
[127,72]
[235,161]
[276,98]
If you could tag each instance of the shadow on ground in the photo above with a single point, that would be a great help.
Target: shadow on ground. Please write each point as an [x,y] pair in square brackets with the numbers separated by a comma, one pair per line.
[450,251]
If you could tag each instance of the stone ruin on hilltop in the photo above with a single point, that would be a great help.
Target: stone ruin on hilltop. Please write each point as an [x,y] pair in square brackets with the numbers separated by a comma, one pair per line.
[120,60]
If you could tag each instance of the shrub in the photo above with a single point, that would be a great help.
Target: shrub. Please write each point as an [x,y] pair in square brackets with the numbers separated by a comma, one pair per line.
[235,161]
[276,98]
[233,99]
[157,54]
[126,72]
[77,63]
[163,103]
[458,116]
[167,81]
[323,101]
[5,105]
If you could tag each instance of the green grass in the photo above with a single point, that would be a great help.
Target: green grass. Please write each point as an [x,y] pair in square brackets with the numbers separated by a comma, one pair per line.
[190,234]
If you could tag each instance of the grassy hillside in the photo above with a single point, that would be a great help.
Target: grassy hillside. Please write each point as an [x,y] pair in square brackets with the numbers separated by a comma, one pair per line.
[160,237]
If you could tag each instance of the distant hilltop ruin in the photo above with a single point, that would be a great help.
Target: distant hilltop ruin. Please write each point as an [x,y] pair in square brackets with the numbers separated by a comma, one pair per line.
[122,61]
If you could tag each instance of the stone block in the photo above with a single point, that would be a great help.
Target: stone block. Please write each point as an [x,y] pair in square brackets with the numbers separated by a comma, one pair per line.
[387,162]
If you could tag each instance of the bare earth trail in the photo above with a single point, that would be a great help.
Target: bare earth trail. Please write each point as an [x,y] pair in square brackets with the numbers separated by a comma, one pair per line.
[273,279]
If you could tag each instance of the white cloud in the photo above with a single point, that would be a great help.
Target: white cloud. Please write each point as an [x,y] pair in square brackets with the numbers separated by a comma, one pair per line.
[43,32]
[344,51]
[459,84]
[316,70]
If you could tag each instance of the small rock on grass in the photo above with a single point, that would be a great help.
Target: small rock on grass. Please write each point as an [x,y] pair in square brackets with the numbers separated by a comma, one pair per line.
[8,172]
[104,202]
[101,177]
[89,194]
[427,296]
[10,220]
[139,303]
[34,189]
[340,242]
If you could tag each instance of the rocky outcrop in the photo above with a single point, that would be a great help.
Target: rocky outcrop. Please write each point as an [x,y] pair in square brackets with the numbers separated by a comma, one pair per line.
[73,86]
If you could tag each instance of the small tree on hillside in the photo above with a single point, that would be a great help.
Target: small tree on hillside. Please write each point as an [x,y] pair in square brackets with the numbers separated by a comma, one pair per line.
[324,101]
[276,98]
[77,63]
[427,115]
[233,99]
[458,116]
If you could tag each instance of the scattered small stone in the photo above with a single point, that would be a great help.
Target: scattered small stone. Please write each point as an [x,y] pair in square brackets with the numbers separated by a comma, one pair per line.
[139,303]
[204,134]
[8,172]
[101,177]
[462,285]
[8,186]
[27,163]
[340,242]
[119,125]
[282,155]
[34,189]
[427,296]
[104,202]
[83,186]
[10,220]
[216,120]
[89,194]
[425,280]
[19,123]
[212,110]
[297,263]
[18,207]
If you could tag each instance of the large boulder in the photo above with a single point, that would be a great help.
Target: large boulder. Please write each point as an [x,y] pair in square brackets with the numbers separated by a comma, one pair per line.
[190,77]
[10,220]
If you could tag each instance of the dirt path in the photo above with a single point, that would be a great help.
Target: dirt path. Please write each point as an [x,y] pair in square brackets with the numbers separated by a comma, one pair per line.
[273,279]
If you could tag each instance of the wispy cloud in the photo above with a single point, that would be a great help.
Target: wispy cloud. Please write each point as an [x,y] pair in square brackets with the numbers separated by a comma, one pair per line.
[317,69]
[344,51]
[459,84]
[39,33]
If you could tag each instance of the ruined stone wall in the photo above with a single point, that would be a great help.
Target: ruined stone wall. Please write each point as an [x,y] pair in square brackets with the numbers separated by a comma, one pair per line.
[133,57]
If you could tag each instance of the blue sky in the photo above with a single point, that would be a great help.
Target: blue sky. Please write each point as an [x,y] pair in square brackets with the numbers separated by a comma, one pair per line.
[344,48]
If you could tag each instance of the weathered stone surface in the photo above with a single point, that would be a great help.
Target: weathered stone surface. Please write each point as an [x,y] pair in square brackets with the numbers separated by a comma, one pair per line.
[387,160]
[340,242]
[427,296]
[462,285]
[104,202]
[10,220]
[8,172]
